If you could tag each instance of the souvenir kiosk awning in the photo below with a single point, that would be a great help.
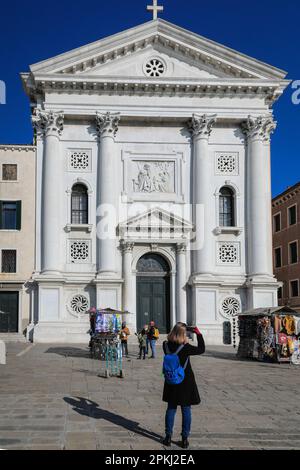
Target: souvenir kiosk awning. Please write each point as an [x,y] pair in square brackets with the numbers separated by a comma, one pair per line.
[268,312]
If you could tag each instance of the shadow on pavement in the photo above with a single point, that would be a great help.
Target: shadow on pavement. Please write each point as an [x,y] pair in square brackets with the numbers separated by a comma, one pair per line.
[229,356]
[69,352]
[90,408]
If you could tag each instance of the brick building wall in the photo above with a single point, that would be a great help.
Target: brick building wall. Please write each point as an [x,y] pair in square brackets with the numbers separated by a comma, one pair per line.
[286,245]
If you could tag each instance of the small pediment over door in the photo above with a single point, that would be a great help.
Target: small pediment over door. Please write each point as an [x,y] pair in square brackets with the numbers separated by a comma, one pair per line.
[155,225]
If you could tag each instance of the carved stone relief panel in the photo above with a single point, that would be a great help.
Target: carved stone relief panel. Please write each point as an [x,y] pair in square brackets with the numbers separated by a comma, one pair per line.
[153,177]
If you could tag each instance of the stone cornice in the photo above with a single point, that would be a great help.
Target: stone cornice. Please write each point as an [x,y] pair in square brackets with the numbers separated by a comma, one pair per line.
[289,194]
[17,148]
[270,91]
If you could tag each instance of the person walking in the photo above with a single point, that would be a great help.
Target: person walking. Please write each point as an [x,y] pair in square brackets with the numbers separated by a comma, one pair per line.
[152,337]
[124,339]
[184,393]
[142,337]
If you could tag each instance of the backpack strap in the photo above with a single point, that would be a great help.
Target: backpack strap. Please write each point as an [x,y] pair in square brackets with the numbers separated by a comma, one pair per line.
[176,352]
[179,349]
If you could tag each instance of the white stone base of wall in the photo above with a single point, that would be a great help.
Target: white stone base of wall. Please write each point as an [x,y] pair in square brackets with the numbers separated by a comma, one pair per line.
[61,333]
[12,337]
[2,353]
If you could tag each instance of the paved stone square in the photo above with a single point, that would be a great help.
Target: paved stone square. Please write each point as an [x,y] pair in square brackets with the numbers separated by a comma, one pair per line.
[52,398]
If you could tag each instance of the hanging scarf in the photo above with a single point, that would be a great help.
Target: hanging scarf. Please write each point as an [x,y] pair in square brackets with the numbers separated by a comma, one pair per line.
[289,325]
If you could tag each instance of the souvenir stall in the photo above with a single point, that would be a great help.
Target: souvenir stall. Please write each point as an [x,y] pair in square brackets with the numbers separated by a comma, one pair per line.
[105,343]
[270,335]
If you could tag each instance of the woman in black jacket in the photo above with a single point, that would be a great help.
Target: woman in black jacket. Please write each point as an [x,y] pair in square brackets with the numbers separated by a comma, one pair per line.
[186,393]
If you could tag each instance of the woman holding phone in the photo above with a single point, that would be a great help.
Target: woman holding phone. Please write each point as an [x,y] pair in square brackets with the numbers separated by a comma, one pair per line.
[184,394]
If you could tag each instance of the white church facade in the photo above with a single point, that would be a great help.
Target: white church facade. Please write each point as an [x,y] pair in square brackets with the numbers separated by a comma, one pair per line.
[153,182]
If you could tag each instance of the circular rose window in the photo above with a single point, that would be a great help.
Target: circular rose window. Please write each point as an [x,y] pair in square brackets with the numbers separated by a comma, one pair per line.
[230,307]
[79,304]
[155,68]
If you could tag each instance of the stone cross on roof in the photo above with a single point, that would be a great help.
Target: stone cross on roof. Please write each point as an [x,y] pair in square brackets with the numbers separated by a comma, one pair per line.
[155,9]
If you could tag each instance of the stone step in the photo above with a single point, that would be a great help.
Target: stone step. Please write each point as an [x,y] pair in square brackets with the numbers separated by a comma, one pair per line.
[12,338]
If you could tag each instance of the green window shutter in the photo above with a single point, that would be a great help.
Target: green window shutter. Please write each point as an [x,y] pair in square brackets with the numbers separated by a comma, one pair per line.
[1,215]
[19,214]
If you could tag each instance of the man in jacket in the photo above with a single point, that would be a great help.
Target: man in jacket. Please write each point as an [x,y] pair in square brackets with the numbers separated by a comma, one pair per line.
[152,337]
[124,339]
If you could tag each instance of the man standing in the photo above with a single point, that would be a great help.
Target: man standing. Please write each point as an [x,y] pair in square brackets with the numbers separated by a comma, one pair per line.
[152,337]
[124,339]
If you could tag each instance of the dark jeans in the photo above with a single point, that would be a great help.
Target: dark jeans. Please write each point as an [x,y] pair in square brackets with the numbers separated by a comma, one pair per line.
[124,348]
[186,420]
[142,352]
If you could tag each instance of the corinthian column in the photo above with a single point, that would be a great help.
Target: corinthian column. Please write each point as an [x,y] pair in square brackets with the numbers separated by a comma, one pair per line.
[201,127]
[50,126]
[129,288]
[259,223]
[181,283]
[107,193]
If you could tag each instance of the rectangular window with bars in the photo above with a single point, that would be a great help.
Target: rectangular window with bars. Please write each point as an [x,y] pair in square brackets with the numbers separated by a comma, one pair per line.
[9,261]
[79,209]
[226,208]
[9,172]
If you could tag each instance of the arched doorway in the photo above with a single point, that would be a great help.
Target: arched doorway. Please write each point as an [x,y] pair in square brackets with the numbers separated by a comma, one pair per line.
[153,292]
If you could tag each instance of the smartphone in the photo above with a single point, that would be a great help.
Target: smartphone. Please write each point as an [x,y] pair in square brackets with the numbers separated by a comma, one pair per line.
[190,328]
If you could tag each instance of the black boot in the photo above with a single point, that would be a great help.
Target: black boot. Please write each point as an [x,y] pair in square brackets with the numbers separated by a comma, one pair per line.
[167,441]
[185,443]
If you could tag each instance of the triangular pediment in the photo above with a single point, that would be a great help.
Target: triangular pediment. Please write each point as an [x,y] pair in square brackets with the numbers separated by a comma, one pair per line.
[175,66]
[155,223]
[192,56]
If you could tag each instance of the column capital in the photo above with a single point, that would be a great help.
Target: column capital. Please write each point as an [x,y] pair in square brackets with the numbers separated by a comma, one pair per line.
[48,122]
[181,248]
[107,124]
[127,247]
[201,125]
[259,128]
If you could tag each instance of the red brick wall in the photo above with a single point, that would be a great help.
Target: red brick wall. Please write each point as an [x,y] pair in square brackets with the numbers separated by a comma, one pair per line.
[288,272]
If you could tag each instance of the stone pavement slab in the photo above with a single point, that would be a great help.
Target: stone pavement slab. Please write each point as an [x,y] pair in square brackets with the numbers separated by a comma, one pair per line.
[52,398]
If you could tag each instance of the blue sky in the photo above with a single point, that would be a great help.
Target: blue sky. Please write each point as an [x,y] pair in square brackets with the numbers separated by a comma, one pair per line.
[264,29]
